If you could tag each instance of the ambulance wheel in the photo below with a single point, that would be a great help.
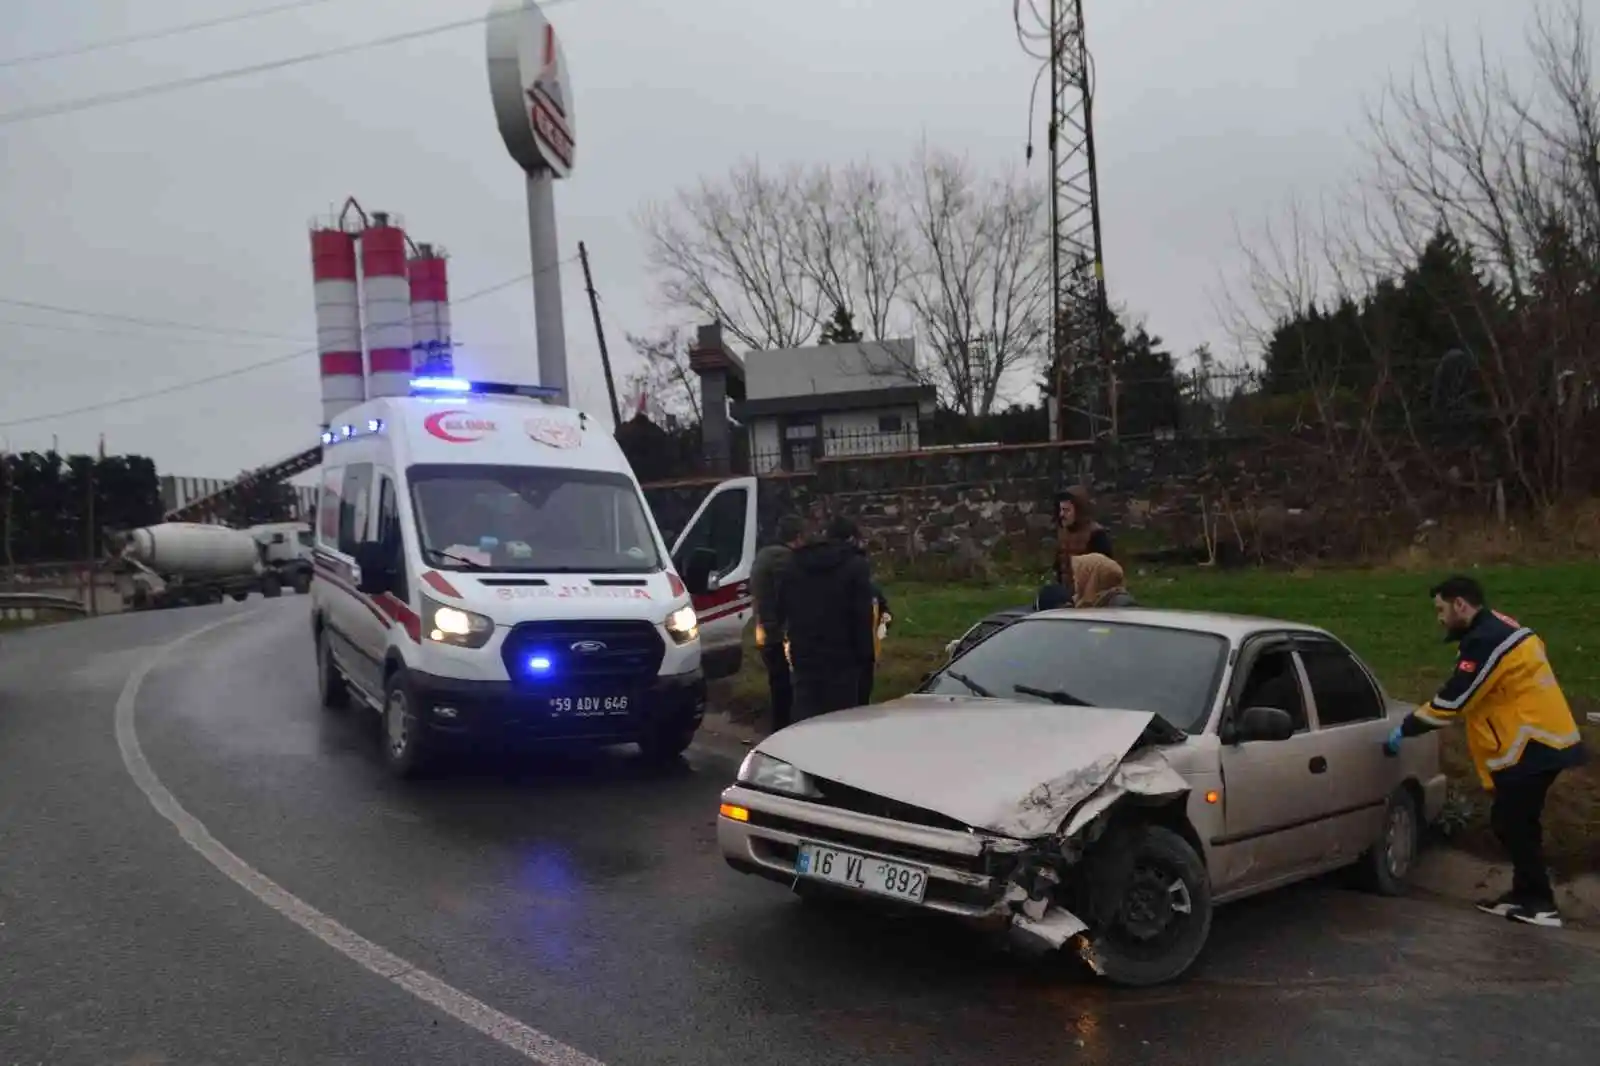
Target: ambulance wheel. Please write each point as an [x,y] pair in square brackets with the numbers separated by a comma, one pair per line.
[335,695]
[405,736]
[663,744]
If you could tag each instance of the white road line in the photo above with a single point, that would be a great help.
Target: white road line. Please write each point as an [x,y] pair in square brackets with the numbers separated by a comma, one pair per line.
[529,1042]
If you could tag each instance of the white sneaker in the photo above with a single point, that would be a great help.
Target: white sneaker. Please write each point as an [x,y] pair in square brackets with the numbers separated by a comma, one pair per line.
[1546,917]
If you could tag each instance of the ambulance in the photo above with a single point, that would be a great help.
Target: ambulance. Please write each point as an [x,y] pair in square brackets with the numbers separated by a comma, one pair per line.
[486,566]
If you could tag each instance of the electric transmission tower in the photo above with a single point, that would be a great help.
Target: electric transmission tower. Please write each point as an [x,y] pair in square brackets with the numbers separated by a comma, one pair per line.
[1052,32]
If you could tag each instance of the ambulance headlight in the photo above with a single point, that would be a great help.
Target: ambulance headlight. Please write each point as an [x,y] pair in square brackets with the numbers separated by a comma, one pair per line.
[683,625]
[451,625]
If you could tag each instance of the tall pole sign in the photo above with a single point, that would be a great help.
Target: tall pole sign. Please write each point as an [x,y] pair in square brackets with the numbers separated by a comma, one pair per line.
[533,106]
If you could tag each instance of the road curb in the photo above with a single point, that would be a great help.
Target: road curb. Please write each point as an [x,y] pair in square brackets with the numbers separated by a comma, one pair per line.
[1457,875]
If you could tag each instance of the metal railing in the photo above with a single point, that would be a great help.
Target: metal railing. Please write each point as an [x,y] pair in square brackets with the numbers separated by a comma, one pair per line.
[29,605]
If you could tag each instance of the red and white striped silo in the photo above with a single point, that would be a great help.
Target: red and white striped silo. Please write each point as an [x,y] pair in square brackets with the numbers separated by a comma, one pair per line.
[430,310]
[386,306]
[333,274]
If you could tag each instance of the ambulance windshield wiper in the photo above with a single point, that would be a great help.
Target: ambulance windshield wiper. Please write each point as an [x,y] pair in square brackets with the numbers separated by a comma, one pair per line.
[471,564]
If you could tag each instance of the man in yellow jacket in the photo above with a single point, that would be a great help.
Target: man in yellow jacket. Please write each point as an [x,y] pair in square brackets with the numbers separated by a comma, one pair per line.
[1520,732]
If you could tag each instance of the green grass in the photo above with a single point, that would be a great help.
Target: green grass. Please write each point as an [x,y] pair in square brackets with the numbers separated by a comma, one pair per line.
[1385,616]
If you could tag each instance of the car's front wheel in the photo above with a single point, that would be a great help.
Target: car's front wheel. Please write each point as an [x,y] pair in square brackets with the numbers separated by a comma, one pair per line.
[1156,929]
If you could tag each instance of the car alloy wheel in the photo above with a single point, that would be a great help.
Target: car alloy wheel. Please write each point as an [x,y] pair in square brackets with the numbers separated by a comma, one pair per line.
[1399,840]
[1157,900]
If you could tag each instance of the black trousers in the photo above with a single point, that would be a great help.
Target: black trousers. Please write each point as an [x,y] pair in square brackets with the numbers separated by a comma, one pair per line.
[1516,818]
[819,692]
[780,687]
[867,674]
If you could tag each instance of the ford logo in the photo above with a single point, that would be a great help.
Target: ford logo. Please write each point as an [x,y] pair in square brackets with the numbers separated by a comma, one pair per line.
[588,647]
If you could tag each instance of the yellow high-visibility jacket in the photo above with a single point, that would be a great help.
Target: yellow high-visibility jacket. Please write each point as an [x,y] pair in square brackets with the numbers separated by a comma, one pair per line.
[1506,694]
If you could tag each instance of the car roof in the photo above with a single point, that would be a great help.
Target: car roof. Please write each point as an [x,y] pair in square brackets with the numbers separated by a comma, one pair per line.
[1234,627]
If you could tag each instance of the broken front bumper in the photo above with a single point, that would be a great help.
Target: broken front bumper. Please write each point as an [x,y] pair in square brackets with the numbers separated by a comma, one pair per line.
[965,869]
[981,878]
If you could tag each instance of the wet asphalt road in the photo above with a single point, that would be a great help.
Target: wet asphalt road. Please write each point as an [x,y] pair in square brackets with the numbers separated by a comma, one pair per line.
[584,897]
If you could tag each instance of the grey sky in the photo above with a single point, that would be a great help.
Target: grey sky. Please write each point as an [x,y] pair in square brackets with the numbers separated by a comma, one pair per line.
[193,207]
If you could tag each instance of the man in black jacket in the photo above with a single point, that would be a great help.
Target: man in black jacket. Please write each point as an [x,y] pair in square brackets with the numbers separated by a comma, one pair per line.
[825,607]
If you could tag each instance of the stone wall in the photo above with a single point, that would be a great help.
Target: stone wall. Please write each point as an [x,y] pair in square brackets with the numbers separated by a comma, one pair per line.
[1247,497]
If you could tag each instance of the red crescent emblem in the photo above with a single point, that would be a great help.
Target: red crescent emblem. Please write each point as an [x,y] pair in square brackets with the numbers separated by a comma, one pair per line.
[465,430]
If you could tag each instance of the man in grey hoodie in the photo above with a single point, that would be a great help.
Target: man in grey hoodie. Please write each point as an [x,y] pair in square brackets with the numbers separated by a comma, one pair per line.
[766,578]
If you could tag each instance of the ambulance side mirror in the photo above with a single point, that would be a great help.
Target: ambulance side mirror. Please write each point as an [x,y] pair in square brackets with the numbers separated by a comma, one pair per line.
[697,571]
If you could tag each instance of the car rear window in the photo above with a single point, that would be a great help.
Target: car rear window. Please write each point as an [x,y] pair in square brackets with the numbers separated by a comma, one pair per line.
[1170,672]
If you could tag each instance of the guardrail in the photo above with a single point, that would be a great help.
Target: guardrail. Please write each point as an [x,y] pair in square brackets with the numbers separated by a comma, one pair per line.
[27,605]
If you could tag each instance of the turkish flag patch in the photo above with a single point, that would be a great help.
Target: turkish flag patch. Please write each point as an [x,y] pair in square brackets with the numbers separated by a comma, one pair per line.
[1467,666]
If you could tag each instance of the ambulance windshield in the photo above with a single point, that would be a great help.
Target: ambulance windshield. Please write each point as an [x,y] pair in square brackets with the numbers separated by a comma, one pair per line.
[531,518]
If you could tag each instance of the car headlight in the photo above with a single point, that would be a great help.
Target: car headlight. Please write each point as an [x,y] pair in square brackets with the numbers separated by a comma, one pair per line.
[775,775]
[683,625]
[452,625]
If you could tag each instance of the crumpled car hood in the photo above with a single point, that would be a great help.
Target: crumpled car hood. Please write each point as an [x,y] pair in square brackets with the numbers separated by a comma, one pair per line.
[1010,767]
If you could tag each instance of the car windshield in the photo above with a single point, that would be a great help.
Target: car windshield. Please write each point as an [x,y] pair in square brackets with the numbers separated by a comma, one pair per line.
[1093,663]
[531,518]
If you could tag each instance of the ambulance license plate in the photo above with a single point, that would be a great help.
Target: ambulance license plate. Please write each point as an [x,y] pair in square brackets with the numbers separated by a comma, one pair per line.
[588,706]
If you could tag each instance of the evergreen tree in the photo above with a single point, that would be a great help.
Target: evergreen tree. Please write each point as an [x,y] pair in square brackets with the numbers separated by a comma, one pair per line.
[841,328]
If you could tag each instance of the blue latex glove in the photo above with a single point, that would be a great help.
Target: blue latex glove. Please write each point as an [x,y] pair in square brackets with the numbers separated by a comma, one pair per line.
[1392,745]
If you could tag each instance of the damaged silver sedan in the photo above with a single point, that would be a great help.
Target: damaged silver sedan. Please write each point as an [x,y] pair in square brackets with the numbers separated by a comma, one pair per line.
[1097,781]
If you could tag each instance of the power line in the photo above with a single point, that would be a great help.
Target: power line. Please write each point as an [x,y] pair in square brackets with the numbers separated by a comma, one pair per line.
[85,103]
[154,323]
[73,327]
[193,383]
[155,35]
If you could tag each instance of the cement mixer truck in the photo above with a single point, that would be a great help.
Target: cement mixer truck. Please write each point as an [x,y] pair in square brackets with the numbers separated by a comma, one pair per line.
[177,564]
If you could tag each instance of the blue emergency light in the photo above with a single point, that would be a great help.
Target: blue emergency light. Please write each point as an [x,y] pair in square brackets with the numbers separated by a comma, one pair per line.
[440,386]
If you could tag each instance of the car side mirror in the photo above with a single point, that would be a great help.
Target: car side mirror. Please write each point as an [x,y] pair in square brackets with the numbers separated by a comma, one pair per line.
[1262,723]
[697,571]
[373,577]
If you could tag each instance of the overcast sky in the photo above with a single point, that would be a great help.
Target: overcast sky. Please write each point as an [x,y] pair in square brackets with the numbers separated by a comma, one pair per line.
[194,206]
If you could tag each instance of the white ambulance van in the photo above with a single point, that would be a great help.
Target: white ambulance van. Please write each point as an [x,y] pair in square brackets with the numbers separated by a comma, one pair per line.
[486,565]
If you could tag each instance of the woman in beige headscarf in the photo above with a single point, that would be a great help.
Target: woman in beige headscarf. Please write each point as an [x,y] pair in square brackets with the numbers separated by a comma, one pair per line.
[1097,581]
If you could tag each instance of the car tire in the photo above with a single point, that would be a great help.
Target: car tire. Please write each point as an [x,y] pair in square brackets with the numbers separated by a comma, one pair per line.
[404,737]
[332,687]
[271,586]
[662,744]
[1387,865]
[301,583]
[1166,887]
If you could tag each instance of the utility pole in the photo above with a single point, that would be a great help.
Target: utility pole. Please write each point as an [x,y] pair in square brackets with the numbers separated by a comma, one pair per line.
[600,335]
[1079,353]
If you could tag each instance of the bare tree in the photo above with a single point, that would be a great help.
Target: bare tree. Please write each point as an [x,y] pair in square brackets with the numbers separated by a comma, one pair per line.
[980,285]
[957,260]
[666,379]
[857,247]
[735,252]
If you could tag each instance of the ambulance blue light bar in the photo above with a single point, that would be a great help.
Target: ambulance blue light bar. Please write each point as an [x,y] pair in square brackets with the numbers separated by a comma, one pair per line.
[437,386]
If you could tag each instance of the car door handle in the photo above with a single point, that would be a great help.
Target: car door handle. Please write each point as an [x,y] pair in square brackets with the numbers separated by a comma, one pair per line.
[1319,765]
